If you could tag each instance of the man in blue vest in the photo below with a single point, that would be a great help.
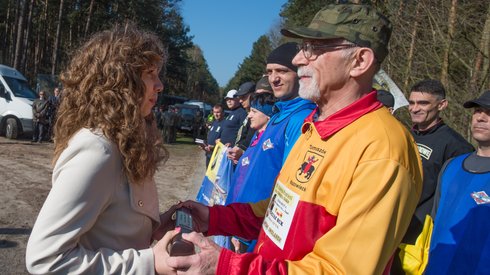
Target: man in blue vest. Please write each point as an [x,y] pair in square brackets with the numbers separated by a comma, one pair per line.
[283,129]
[460,243]
[281,133]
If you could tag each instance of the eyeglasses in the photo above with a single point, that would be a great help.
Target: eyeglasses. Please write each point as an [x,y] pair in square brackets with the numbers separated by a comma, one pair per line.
[310,50]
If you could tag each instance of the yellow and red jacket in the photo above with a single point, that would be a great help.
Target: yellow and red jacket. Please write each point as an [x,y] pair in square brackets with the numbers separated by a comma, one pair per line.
[341,203]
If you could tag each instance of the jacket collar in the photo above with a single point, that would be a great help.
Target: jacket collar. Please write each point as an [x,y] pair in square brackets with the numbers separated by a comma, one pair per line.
[337,121]
[415,128]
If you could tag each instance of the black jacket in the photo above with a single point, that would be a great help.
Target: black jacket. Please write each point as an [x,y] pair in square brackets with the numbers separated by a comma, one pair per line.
[436,146]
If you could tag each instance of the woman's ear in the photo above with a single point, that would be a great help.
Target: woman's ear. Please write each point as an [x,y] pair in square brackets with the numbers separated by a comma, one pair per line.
[363,60]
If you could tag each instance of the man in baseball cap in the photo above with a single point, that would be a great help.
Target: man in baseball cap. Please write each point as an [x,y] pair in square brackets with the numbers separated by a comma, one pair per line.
[234,120]
[245,133]
[387,99]
[345,194]
[263,85]
[462,208]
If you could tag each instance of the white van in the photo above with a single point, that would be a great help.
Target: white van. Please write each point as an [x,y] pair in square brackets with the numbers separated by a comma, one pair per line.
[16,98]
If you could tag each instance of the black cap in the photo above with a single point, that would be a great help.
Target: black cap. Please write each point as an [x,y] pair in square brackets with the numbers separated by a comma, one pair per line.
[245,88]
[482,101]
[283,55]
[386,98]
[263,84]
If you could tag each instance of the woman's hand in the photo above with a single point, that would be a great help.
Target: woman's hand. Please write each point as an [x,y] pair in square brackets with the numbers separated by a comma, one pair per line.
[160,253]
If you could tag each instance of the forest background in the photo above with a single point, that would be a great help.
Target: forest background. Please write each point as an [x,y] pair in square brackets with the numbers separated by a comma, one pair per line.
[448,40]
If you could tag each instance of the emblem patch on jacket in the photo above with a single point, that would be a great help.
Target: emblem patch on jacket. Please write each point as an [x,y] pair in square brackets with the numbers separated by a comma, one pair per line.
[308,166]
[480,197]
[267,145]
[424,151]
[245,161]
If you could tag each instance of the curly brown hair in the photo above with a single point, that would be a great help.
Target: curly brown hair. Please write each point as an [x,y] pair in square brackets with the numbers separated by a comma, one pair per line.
[103,90]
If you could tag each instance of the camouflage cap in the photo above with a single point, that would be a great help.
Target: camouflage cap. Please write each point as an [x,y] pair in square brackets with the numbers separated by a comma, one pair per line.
[360,24]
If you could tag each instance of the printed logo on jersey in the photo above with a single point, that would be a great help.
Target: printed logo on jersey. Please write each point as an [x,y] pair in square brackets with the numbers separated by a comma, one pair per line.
[480,197]
[245,161]
[424,151]
[267,145]
[310,162]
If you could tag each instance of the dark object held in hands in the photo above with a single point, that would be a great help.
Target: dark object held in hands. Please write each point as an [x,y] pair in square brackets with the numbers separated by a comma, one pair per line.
[179,246]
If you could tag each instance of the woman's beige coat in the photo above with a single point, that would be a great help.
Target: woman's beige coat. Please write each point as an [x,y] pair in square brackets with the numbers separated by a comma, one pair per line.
[93,221]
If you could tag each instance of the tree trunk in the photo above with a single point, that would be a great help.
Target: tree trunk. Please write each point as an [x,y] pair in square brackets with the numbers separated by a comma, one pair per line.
[20,34]
[5,43]
[39,52]
[481,67]
[57,39]
[449,39]
[89,16]
[411,50]
[13,26]
[27,37]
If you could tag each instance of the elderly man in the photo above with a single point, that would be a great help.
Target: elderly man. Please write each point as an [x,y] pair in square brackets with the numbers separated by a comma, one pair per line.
[460,243]
[348,189]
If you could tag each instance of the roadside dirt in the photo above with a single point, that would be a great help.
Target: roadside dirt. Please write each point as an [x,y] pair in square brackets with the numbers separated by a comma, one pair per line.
[25,180]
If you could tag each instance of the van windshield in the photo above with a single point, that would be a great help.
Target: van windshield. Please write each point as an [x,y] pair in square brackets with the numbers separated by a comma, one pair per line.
[20,88]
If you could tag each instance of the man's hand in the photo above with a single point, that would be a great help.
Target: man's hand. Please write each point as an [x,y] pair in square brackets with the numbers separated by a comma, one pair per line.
[207,148]
[203,147]
[234,154]
[200,215]
[160,254]
[204,262]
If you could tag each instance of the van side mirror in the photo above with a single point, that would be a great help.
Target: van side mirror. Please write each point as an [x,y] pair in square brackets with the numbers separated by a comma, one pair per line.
[4,93]
[2,90]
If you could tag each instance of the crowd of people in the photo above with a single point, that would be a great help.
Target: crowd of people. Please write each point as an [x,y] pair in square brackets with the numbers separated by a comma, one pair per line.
[168,122]
[326,179]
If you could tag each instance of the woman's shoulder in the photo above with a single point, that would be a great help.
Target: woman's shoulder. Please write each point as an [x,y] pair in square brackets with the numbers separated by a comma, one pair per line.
[92,144]
[91,138]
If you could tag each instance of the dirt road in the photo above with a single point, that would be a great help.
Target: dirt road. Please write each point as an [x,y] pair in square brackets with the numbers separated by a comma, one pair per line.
[25,180]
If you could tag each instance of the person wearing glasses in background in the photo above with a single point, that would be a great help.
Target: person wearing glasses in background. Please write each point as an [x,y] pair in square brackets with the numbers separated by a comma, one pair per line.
[347,191]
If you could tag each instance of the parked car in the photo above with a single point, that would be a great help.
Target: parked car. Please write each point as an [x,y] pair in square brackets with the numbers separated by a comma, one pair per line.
[16,98]
[205,108]
[191,120]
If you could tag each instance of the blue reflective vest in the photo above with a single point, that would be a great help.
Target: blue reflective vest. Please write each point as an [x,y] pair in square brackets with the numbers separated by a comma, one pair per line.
[460,241]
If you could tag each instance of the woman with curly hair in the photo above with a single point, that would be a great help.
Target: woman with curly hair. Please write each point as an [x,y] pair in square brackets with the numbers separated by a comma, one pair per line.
[101,214]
